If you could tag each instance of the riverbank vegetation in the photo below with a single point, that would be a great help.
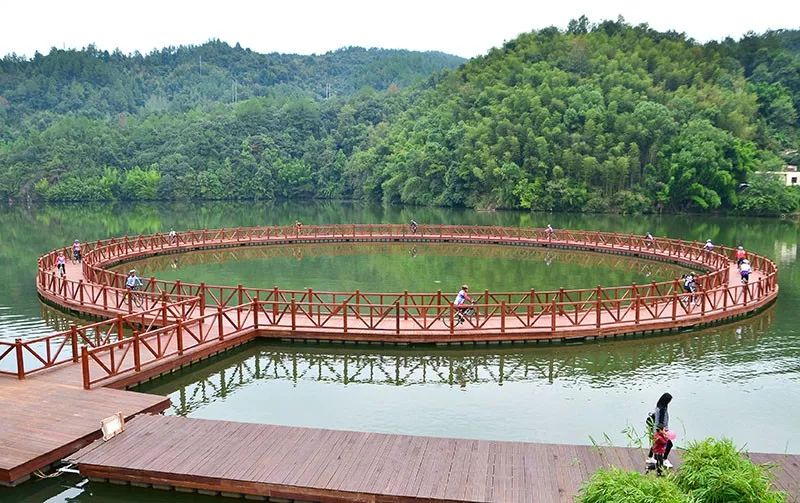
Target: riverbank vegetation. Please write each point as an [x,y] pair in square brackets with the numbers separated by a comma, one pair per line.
[595,118]
[712,471]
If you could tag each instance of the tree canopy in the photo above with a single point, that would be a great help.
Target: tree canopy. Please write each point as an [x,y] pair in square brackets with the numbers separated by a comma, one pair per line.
[598,117]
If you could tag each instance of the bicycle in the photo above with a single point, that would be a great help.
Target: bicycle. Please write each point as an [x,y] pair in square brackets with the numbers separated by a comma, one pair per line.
[76,257]
[462,315]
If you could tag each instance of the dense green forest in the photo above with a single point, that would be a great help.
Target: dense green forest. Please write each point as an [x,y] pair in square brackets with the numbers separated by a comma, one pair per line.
[605,117]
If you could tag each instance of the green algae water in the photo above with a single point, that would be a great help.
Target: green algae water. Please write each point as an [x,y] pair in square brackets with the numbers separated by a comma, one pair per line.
[738,380]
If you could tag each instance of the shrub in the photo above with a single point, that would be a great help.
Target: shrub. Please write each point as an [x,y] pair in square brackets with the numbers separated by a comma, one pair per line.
[619,486]
[714,471]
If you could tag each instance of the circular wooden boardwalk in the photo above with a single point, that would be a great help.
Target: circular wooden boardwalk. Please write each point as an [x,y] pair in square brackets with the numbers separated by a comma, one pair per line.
[175,320]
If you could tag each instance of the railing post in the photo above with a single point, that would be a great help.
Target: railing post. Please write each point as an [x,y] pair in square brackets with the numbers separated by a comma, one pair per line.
[597,311]
[405,304]
[202,295]
[85,366]
[358,305]
[105,298]
[503,317]
[240,293]
[163,312]
[344,319]
[725,294]
[397,318]
[452,319]
[674,305]
[73,335]
[553,316]
[638,303]
[120,330]
[137,357]
[20,361]
[80,291]
[294,315]
[703,303]
[274,304]
[255,313]
[220,330]
[179,336]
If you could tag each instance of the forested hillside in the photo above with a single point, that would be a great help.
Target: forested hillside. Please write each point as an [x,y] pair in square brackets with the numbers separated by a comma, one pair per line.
[613,118]
[606,117]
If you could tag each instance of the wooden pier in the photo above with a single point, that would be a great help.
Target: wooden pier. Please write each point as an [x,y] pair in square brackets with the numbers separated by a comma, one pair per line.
[57,387]
[308,464]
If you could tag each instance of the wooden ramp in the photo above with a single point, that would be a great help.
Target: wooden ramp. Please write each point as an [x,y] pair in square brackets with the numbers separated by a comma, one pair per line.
[42,421]
[309,464]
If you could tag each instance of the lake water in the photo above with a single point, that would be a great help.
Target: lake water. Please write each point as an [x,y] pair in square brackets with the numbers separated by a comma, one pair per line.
[740,380]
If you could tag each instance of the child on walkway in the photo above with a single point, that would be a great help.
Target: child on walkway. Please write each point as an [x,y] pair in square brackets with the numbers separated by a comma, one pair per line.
[660,441]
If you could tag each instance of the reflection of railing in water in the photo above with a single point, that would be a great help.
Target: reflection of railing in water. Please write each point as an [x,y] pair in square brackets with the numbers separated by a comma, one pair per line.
[299,252]
[452,368]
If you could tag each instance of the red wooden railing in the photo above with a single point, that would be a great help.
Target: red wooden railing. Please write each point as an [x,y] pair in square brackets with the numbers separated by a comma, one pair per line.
[28,356]
[220,312]
[105,253]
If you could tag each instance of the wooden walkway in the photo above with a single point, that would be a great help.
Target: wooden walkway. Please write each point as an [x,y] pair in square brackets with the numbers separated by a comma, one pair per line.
[42,420]
[309,464]
[58,389]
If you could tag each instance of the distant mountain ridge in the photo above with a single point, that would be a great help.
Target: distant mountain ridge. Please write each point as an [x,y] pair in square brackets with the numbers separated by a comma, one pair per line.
[96,83]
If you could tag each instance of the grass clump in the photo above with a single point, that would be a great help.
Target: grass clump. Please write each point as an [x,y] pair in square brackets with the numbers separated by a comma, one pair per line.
[715,471]
[712,471]
[619,486]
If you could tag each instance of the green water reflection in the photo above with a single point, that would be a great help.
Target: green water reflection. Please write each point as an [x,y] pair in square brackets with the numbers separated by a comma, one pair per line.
[740,380]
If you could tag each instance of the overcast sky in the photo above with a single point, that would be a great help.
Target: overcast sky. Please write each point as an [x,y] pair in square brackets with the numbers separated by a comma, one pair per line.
[465,28]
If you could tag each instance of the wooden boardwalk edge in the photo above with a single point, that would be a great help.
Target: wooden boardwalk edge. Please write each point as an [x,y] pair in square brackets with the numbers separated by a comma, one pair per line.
[312,464]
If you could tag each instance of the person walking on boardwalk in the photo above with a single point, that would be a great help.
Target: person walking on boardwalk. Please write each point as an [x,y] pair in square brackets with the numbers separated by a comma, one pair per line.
[298,227]
[76,251]
[61,264]
[659,419]
[741,255]
[413,226]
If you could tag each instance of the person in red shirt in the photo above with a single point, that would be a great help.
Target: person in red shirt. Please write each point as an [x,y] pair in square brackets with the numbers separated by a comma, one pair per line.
[660,441]
[740,256]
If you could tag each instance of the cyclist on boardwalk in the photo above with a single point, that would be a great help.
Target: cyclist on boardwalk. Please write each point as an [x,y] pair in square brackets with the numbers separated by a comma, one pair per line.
[173,237]
[413,226]
[649,240]
[61,264]
[549,231]
[741,255]
[709,246]
[133,282]
[76,251]
[689,286]
[462,308]
[744,271]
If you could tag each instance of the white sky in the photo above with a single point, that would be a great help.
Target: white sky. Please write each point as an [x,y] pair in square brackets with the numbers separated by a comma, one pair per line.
[466,28]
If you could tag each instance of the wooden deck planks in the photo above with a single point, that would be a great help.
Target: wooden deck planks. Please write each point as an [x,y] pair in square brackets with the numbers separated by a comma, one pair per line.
[307,463]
